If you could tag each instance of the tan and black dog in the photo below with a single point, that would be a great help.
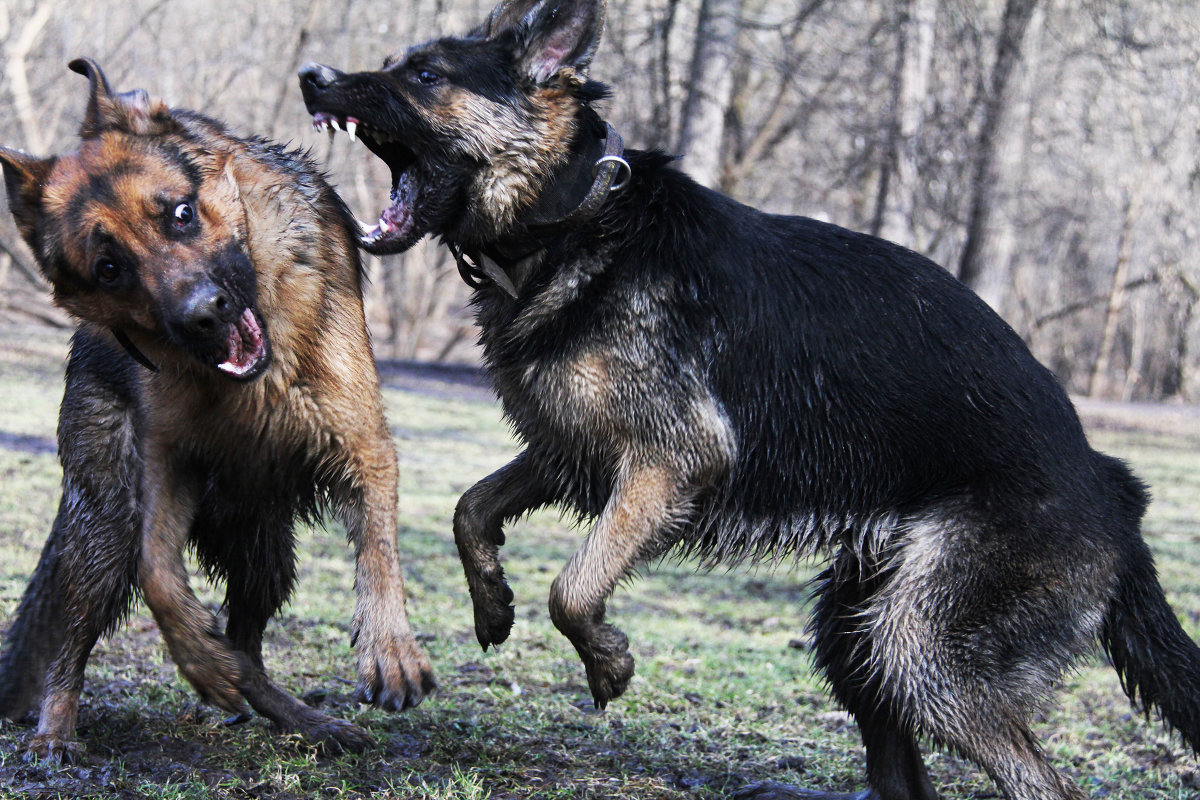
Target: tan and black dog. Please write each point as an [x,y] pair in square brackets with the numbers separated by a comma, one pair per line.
[696,375]
[220,387]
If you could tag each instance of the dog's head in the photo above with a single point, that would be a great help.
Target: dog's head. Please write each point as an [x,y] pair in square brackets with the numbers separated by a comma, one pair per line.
[471,128]
[142,230]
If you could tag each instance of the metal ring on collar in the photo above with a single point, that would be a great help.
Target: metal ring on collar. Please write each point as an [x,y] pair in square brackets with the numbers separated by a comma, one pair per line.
[620,162]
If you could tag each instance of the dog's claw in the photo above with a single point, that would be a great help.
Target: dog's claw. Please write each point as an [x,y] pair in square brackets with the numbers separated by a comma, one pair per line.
[236,719]
[394,674]
[51,750]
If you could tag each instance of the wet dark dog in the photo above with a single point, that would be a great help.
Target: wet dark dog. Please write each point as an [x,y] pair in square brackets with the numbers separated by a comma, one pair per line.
[227,267]
[695,375]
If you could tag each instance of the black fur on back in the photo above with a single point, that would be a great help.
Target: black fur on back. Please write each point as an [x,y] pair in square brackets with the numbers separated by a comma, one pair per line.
[900,384]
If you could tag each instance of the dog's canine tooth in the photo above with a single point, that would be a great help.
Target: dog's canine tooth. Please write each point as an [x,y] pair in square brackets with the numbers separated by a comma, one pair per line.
[351,127]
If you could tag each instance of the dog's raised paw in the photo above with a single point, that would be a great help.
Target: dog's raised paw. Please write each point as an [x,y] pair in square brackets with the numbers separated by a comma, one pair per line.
[608,677]
[494,621]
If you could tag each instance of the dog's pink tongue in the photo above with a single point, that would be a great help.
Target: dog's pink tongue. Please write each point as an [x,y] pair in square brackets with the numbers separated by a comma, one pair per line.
[245,345]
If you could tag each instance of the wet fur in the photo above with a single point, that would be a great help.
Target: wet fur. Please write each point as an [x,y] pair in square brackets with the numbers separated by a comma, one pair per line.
[698,378]
[186,457]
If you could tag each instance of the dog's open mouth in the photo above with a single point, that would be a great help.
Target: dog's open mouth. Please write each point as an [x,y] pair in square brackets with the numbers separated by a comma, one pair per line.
[246,353]
[395,229]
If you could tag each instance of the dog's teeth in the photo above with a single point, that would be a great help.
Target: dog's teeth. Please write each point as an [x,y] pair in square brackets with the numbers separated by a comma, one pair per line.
[351,127]
[383,225]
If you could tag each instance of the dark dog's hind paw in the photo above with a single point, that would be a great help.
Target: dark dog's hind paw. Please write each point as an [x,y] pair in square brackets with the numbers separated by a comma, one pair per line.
[339,736]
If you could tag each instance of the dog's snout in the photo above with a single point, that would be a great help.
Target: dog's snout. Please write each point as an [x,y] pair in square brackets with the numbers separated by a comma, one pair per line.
[317,76]
[207,309]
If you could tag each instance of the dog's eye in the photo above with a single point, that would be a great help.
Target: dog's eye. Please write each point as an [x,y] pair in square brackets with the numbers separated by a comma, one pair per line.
[107,272]
[183,214]
[428,77]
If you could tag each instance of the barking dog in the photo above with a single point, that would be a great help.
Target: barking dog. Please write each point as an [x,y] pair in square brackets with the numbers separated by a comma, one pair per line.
[696,375]
[220,386]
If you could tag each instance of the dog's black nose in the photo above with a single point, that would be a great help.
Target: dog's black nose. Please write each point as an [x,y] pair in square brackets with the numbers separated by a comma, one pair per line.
[207,310]
[318,76]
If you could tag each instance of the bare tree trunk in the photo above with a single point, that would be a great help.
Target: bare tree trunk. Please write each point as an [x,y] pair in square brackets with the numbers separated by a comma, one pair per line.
[710,83]
[661,66]
[783,118]
[987,251]
[1189,332]
[895,211]
[18,82]
[1099,380]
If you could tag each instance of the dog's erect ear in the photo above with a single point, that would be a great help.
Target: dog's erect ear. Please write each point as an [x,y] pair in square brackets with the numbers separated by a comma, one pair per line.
[131,112]
[558,34]
[25,177]
[504,16]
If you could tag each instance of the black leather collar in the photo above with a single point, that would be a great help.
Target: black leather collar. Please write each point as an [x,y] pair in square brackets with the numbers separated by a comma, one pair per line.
[131,348]
[597,174]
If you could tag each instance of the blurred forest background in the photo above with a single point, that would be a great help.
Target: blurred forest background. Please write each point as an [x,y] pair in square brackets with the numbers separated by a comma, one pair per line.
[1046,151]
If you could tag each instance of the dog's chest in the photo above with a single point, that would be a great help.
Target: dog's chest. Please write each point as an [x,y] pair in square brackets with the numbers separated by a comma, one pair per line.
[253,429]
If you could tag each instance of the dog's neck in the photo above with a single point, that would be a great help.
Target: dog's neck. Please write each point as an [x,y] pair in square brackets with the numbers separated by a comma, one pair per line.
[574,195]
[578,190]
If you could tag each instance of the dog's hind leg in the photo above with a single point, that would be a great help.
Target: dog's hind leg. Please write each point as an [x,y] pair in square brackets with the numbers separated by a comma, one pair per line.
[93,580]
[640,521]
[79,590]
[479,517]
[259,568]
[975,617]
[84,581]
[895,769]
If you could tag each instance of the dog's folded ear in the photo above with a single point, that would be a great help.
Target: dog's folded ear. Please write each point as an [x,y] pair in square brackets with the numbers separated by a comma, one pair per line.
[24,178]
[131,112]
[552,35]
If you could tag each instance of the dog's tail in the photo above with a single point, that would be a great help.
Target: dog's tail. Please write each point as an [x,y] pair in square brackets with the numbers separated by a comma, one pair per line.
[35,635]
[1157,661]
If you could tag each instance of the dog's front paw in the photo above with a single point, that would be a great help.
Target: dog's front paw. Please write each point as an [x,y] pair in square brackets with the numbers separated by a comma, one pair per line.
[52,750]
[494,613]
[393,671]
[608,663]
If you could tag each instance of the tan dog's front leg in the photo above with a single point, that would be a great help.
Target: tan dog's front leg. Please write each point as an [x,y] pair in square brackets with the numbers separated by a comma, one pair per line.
[394,672]
[639,522]
[196,644]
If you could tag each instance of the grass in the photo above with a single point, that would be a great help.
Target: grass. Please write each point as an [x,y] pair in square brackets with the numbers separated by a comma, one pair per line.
[722,697]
